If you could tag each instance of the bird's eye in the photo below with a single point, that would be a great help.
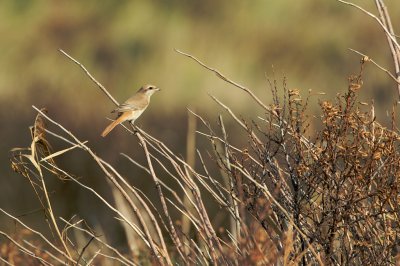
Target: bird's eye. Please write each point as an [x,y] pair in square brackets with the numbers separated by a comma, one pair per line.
[150,88]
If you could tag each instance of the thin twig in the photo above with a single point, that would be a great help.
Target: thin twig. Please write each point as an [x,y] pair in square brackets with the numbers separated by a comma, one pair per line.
[36,248]
[83,249]
[234,221]
[369,59]
[25,250]
[376,18]
[125,260]
[91,77]
[40,235]
[221,76]
[385,22]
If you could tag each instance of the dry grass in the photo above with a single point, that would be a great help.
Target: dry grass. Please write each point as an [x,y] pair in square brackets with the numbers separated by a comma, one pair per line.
[332,198]
[329,199]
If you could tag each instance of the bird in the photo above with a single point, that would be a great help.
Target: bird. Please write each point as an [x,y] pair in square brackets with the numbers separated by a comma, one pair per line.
[132,108]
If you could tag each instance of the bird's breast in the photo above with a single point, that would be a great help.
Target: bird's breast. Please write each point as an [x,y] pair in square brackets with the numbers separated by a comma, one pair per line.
[133,115]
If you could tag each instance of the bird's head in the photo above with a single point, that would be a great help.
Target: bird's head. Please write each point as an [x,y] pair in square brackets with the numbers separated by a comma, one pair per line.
[148,89]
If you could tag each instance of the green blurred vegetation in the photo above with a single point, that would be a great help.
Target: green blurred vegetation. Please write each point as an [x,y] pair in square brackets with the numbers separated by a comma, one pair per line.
[125,44]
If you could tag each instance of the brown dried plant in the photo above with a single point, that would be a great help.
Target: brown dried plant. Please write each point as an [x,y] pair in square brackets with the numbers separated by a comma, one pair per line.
[338,191]
[291,199]
[295,195]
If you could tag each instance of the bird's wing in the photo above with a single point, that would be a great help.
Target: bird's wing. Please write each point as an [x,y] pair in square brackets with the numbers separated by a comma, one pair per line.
[125,107]
[136,102]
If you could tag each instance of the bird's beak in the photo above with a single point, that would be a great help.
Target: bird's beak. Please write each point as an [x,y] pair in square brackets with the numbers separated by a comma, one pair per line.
[158,89]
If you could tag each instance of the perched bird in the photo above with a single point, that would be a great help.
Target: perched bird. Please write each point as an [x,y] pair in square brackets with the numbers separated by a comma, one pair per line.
[132,108]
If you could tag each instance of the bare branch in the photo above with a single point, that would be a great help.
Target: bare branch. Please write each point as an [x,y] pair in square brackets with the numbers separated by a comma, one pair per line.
[391,36]
[91,77]
[224,78]
[369,59]
[69,258]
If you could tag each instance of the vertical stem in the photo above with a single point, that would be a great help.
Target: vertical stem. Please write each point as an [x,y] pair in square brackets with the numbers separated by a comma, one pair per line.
[234,221]
[190,159]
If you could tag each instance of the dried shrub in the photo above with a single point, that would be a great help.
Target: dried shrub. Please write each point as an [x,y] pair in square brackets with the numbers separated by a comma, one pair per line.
[338,191]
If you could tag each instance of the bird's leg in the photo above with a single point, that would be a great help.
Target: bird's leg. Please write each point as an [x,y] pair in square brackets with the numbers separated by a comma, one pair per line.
[135,131]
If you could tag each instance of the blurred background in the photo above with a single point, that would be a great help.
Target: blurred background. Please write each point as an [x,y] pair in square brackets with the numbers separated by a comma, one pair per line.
[126,44]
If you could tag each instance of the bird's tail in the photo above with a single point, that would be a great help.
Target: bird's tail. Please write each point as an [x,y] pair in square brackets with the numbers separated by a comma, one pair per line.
[112,125]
